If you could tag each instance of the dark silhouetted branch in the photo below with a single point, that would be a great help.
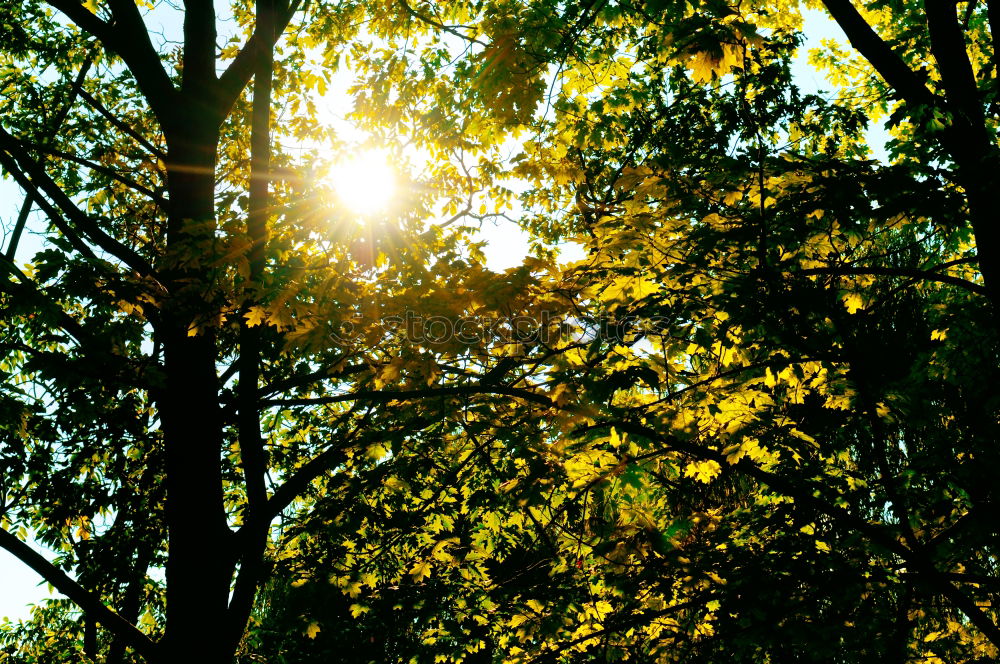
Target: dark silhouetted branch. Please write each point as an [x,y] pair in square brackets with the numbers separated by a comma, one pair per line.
[81,597]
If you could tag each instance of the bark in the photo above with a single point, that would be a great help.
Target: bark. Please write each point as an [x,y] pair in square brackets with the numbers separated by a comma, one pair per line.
[966,139]
[198,567]
[252,453]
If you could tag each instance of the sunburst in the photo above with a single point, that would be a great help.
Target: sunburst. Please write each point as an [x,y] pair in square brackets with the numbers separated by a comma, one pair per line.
[364,183]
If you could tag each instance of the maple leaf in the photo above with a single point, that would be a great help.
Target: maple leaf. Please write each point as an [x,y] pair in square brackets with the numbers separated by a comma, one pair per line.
[703,471]
[420,570]
[853,302]
[703,65]
[255,316]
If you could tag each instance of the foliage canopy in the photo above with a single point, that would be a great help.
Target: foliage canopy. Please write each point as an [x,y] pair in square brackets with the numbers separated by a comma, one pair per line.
[753,422]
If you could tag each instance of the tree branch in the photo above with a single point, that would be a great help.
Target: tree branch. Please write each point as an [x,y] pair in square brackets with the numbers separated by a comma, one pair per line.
[962,577]
[100,168]
[241,69]
[117,122]
[305,474]
[199,46]
[32,193]
[887,63]
[19,224]
[308,379]
[81,597]
[77,217]
[27,288]
[805,496]
[252,456]
[22,217]
[452,30]
[926,275]
[128,38]
[948,48]
[386,396]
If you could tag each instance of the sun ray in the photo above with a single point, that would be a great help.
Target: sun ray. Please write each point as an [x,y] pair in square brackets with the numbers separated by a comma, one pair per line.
[365,183]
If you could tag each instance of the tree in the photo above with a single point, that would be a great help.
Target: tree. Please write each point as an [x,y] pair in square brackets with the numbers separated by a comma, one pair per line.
[750,423]
[188,354]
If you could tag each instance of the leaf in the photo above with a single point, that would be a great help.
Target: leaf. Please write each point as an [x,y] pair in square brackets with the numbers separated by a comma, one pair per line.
[518,619]
[420,571]
[312,630]
[703,66]
[703,471]
[255,316]
[378,451]
[853,302]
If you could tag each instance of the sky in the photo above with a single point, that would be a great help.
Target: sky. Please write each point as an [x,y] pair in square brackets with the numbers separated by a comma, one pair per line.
[507,245]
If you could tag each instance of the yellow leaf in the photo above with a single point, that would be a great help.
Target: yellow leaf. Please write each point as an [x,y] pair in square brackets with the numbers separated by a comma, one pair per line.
[562,394]
[853,302]
[703,471]
[378,451]
[644,287]
[420,570]
[255,316]
[769,378]
[702,66]
[734,453]
[518,620]
[312,630]
[440,550]
[389,372]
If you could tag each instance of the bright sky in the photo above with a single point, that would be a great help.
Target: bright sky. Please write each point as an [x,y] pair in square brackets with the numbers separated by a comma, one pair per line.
[507,246]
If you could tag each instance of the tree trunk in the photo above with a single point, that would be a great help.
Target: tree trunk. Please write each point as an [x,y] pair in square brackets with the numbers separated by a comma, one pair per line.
[199,563]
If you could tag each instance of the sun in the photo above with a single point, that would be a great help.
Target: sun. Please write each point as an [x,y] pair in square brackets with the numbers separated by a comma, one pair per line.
[364,183]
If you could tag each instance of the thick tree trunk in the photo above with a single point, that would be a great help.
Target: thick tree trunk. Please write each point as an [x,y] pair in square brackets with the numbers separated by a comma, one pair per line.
[199,563]
[976,174]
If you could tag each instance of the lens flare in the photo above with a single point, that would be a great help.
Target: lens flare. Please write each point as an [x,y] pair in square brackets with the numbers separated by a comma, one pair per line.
[364,183]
